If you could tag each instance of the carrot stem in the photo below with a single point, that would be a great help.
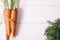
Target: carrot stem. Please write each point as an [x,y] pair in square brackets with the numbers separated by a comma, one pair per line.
[14,3]
[5,2]
[11,4]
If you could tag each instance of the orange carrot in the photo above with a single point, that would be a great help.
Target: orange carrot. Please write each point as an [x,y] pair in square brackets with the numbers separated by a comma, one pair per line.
[7,37]
[13,20]
[10,15]
[7,16]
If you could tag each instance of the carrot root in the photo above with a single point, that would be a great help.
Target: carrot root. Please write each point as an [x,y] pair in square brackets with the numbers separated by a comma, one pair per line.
[13,21]
[7,37]
[7,16]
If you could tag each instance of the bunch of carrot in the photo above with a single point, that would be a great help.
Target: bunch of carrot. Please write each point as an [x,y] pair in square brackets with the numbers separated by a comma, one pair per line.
[10,16]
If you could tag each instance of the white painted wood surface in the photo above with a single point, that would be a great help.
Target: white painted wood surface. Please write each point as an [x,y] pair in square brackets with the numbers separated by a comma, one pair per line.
[33,21]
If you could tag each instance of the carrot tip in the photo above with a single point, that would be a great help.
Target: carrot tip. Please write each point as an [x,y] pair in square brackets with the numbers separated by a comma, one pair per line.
[13,38]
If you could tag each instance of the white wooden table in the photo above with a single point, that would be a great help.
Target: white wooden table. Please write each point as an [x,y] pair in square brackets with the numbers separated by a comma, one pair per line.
[32,18]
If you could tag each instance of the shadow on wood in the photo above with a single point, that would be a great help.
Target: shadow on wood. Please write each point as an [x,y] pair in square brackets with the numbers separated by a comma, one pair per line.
[19,18]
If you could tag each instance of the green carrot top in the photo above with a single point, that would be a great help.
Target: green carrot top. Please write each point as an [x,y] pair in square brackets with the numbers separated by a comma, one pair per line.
[5,2]
[12,4]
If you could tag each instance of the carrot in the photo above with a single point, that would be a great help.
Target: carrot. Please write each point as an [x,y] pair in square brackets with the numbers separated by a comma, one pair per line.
[10,16]
[7,16]
[13,17]
[13,21]
[7,37]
